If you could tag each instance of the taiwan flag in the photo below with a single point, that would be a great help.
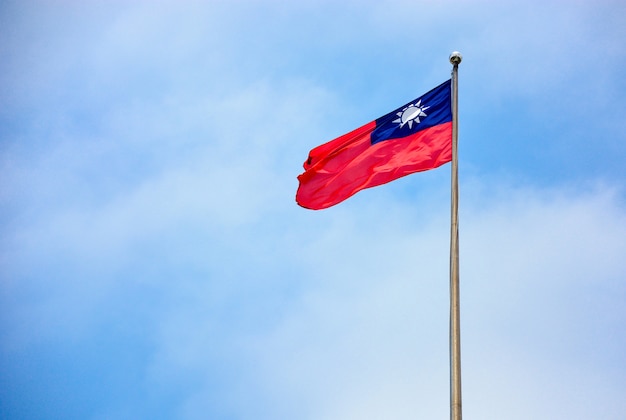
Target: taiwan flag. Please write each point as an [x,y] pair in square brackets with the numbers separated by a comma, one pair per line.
[415,137]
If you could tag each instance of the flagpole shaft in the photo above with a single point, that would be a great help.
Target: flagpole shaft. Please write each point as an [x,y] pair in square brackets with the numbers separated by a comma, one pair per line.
[455,318]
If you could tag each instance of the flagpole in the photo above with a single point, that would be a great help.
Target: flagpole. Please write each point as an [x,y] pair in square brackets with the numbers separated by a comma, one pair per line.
[455,318]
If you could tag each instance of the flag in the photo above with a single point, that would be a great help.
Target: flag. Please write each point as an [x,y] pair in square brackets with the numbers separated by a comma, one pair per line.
[415,137]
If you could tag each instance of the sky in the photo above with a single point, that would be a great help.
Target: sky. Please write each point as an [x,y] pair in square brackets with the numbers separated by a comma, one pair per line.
[154,263]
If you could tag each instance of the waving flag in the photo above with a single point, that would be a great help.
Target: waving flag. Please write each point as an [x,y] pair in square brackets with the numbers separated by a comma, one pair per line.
[415,137]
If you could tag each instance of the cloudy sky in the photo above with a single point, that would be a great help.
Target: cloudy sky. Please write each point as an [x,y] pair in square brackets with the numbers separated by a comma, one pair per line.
[154,264]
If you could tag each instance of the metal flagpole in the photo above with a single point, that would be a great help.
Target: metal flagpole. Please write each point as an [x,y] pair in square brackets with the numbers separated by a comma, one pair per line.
[455,330]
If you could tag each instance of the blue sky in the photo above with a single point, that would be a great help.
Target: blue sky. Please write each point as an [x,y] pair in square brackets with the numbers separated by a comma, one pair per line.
[154,264]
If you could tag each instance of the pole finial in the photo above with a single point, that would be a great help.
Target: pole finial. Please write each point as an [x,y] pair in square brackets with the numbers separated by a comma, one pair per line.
[455,58]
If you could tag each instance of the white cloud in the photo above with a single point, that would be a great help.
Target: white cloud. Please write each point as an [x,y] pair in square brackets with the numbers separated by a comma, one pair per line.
[367,330]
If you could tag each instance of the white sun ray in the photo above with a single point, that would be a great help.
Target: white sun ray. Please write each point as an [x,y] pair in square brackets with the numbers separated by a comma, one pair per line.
[410,114]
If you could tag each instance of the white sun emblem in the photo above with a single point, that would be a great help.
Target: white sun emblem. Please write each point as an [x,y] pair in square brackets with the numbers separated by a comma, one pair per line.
[411,113]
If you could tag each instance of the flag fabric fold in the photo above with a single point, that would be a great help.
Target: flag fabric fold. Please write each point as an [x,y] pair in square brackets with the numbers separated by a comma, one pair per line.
[415,137]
